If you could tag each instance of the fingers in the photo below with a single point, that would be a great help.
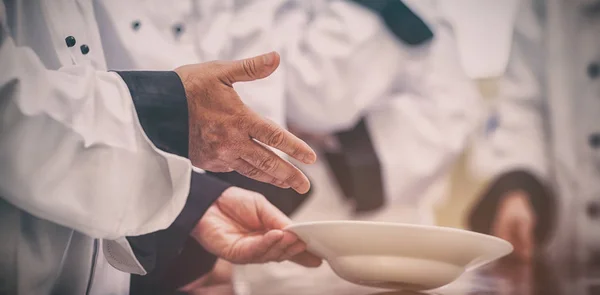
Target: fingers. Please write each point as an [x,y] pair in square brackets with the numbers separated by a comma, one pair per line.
[280,249]
[291,248]
[284,173]
[273,135]
[251,171]
[255,247]
[251,69]
[295,249]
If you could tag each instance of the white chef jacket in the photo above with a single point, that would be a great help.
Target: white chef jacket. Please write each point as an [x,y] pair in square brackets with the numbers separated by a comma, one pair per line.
[67,122]
[72,151]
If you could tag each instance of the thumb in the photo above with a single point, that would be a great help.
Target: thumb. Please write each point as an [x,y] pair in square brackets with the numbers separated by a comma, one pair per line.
[270,216]
[253,68]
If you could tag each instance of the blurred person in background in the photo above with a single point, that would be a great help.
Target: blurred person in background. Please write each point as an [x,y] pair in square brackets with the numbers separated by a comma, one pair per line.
[95,166]
[543,135]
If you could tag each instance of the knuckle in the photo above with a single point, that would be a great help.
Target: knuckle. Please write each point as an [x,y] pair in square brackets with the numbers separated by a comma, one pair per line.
[211,153]
[275,181]
[275,138]
[296,151]
[292,178]
[268,164]
[221,153]
[252,172]
[250,68]
[243,122]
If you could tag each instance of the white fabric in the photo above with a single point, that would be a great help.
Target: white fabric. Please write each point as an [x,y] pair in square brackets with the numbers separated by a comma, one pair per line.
[71,147]
[107,279]
[342,61]
[72,150]
[426,119]
[120,255]
[419,105]
[483,48]
[512,136]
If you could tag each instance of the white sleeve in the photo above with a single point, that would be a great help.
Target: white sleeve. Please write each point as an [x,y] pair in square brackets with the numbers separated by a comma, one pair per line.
[338,66]
[72,150]
[514,135]
[424,124]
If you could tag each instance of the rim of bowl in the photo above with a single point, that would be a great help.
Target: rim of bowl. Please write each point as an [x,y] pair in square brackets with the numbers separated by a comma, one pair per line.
[508,245]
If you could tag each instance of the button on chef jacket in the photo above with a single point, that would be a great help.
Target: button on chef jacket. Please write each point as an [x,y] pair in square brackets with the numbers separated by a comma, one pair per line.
[81,176]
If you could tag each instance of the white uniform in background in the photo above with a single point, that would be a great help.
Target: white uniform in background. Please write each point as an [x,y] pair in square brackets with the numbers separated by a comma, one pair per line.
[65,122]
[547,116]
[419,106]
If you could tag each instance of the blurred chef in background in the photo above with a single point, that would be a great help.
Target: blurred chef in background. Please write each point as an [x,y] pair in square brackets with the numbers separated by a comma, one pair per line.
[542,140]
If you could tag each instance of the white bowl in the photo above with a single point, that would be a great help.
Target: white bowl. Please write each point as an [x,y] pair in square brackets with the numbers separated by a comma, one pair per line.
[398,256]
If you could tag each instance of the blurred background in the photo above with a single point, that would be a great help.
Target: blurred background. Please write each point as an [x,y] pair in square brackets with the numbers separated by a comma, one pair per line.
[475,114]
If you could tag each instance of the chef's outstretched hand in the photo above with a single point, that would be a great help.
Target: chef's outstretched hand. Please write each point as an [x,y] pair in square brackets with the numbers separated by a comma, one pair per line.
[226,135]
[243,227]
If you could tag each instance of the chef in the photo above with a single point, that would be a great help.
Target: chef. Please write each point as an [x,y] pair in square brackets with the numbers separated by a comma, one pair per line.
[542,138]
[83,183]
